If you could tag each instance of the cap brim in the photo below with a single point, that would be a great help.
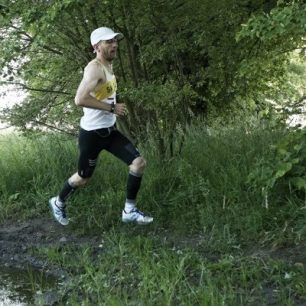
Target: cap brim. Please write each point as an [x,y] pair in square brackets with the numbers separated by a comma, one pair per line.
[119,36]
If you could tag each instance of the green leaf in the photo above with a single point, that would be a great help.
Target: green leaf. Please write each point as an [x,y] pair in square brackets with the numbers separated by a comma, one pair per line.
[299,182]
[14,196]
[283,169]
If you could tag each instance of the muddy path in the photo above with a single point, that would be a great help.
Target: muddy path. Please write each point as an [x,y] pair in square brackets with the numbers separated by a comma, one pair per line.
[18,239]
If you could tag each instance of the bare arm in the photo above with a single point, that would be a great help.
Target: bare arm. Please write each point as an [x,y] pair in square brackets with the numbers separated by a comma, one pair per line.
[92,75]
[90,80]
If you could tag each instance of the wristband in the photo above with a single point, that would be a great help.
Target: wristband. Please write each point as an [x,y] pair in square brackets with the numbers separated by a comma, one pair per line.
[112,110]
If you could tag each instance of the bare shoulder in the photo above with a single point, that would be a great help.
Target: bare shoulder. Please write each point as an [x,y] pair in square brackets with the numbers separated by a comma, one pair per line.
[94,70]
[93,64]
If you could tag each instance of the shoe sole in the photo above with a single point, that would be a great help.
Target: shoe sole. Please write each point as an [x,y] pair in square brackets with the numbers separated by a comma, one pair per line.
[136,222]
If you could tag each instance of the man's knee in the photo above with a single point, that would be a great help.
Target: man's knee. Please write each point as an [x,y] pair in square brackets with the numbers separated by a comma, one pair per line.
[138,165]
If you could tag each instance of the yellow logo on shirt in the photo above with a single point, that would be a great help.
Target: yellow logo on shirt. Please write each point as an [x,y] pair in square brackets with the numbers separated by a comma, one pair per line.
[106,90]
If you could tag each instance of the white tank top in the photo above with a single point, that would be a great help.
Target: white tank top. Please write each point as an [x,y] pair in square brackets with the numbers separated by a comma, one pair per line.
[94,119]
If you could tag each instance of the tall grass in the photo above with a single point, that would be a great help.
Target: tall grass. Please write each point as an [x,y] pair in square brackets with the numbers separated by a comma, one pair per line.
[206,220]
[31,169]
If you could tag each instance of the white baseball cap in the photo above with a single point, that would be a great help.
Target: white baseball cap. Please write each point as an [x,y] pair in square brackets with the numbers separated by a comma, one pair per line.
[103,33]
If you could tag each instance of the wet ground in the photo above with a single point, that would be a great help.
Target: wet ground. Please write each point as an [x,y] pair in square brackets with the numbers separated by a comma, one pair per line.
[19,238]
[26,287]
[24,277]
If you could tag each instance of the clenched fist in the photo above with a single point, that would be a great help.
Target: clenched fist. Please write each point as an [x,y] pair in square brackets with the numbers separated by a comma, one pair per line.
[120,109]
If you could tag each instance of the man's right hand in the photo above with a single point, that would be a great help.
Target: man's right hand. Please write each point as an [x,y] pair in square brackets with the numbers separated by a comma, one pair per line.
[120,109]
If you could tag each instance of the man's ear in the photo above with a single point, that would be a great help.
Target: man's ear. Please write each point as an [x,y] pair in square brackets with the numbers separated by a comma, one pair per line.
[96,47]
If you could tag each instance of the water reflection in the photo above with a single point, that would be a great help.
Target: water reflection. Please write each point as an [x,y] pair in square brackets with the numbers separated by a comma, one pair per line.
[18,287]
[7,298]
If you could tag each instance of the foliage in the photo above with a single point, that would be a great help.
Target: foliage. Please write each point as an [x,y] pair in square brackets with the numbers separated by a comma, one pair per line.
[166,108]
[286,165]
[144,267]
[180,62]
[210,175]
[284,25]
[272,35]
[212,241]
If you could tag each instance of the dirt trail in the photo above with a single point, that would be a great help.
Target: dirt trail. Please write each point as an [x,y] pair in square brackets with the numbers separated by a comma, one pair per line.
[18,238]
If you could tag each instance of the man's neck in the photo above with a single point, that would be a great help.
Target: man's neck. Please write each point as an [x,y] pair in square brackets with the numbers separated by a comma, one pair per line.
[103,61]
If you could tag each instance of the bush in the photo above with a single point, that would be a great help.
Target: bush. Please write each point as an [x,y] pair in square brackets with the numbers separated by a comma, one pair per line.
[285,165]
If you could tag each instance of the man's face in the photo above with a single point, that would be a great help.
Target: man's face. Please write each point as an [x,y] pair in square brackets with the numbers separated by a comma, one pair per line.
[108,48]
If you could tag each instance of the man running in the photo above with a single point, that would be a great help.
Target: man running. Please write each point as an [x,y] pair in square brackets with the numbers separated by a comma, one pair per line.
[97,95]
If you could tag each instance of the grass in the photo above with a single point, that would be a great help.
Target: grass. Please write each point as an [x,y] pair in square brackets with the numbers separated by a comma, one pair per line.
[209,228]
[137,269]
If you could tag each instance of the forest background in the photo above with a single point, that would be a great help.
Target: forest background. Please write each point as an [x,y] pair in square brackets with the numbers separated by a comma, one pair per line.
[180,61]
[211,87]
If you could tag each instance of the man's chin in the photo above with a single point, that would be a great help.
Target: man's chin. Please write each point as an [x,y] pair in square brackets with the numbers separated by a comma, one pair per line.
[112,55]
[109,59]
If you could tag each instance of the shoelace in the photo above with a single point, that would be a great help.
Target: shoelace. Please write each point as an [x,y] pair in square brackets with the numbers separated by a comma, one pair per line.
[62,209]
[138,211]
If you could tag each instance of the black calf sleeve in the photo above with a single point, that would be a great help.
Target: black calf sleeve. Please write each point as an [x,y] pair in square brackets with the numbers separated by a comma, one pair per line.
[133,185]
[66,191]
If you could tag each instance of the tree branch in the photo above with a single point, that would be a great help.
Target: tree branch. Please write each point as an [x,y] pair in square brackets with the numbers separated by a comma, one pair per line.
[54,128]
[30,39]
[23,86]
[298,103]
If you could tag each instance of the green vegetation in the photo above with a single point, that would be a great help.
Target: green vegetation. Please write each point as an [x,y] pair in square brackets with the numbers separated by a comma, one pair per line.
[179,60]
[229,200]
[216,240]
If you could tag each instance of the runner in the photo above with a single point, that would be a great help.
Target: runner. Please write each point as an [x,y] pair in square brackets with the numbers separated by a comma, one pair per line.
[97,95]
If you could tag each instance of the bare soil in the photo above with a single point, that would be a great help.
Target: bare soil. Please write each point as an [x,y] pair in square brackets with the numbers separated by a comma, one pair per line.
[19,238]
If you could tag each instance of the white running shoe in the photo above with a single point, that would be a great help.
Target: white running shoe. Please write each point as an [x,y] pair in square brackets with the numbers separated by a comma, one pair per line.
[58,212]
[136,216]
